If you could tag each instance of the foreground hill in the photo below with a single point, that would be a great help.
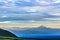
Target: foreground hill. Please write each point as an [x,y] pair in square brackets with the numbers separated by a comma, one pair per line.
[6,33]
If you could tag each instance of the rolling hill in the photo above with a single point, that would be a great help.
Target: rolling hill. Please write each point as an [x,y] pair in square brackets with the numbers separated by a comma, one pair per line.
[6,33]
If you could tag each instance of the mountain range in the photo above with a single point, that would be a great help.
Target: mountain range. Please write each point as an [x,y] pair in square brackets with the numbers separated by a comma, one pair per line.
[39,32]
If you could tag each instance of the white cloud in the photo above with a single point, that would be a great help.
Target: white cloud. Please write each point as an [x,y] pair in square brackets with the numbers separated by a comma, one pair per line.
[47,2]
[35,2]
[56,14]
[56,19]
[27,0]
[6,22]
[32,21]
[57,1]
[3,16]
[37,8]
[44,3]
[31,10]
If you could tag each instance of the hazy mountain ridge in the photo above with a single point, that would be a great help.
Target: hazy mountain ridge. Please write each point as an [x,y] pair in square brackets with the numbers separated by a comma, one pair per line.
[42,29]
[39,30]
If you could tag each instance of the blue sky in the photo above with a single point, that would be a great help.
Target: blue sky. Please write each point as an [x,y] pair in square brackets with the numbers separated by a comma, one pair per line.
[23,12]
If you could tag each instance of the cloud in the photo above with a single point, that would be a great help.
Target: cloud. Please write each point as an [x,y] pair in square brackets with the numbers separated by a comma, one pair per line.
[52,19]
[3,16]
[33,3]
[28,12]
[32,21]
[22,10]
[37,9]
[57,1]
[6,22]
[55,14]
[29,2]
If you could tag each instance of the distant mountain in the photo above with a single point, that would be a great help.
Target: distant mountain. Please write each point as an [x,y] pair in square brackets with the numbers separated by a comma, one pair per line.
[5,33]
[38,32]
[41,29]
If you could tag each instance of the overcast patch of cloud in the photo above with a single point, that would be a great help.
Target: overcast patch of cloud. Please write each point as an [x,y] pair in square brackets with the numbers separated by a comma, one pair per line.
[29,2]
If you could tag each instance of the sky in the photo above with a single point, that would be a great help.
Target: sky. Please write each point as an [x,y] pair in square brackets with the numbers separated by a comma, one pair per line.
[29,13]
